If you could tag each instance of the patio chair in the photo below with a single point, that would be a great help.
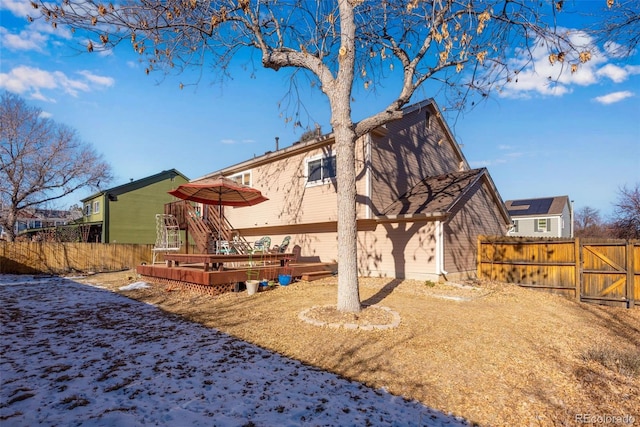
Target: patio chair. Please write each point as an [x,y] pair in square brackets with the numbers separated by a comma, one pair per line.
[262,245]
[225,247]
[282,247]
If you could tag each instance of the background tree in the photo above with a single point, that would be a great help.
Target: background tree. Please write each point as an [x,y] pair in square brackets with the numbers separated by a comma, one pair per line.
[588,223]
[40,161]
[466,47]
[626,214]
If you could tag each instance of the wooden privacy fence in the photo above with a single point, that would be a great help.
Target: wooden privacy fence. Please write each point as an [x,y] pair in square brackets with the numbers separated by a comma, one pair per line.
[597,271]
[54,258]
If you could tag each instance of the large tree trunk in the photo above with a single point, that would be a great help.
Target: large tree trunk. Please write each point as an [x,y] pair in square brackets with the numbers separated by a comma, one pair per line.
[339,92]
[12,218]
[348,289]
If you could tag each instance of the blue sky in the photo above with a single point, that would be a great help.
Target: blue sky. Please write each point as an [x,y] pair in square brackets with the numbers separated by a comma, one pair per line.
[579,138]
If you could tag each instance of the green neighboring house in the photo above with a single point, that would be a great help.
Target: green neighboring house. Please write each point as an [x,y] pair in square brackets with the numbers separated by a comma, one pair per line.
[126,214]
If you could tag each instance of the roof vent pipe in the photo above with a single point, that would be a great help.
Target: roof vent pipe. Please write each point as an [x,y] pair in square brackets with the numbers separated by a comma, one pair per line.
[277,139]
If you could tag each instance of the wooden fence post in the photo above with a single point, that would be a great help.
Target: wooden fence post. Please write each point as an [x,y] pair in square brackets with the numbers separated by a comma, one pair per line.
[630,291]
[578,271]
[479,258]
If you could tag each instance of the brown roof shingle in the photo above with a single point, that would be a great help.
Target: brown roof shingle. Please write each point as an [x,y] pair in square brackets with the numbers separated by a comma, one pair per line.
[434,194]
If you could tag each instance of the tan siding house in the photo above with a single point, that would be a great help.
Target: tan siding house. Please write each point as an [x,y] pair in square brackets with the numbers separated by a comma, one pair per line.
[420,207]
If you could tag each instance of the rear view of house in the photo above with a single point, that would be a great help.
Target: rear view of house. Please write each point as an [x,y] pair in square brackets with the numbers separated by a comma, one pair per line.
[420,207]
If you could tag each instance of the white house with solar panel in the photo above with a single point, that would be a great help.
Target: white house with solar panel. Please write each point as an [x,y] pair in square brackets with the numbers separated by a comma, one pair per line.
[543,217]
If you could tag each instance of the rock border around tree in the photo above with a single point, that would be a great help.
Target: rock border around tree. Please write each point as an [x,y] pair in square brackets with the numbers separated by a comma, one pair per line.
[372,317]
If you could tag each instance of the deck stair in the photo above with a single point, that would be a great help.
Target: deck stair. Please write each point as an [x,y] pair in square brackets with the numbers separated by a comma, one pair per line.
[207,229]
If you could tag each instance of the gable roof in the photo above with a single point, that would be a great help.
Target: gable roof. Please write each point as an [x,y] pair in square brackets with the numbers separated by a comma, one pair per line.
[536,207]
[140,183]
[328,139]
[436,196]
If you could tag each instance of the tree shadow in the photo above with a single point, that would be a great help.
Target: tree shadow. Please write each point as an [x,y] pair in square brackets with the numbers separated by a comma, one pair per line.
[386,290]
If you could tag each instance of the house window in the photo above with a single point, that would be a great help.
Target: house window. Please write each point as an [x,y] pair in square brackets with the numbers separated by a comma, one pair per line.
[542,225]
[243,178]
[515,227]
[87,209]
[321,169]
[96,207]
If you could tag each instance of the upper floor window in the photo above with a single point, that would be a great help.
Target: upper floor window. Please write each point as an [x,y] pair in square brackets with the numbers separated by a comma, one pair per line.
[321,169]
[96,207]
[87,209]
[542,225]
[243,178]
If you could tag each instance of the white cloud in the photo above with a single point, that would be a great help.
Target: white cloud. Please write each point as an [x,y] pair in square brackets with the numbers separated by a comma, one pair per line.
[20,8]
[480,163]
[25,40]
[616,50]
[614,97]
[98,80]
[42,26]
[25,79]
[543,77]
[230,141]
[618,74]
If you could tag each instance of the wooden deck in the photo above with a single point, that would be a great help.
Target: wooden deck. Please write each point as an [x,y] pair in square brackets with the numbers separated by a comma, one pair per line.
[198,278]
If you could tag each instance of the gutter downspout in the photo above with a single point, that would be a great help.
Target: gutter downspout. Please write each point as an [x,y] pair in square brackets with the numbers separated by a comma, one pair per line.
[367,176]
[440,271]
[105,218]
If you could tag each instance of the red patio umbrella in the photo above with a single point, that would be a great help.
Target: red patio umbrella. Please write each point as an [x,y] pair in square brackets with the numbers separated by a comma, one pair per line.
[219,191]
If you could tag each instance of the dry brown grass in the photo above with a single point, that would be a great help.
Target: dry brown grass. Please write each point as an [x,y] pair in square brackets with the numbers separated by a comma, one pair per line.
[496,354]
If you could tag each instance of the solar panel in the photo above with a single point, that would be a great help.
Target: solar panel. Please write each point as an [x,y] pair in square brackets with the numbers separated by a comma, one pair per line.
[535,206]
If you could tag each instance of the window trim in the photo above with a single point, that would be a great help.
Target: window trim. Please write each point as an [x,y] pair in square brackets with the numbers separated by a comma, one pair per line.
[96,207]
[242,174]
[322,180]
[538,228]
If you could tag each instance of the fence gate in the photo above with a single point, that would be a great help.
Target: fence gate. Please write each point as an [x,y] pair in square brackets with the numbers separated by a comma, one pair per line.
[595,271]
[605,272]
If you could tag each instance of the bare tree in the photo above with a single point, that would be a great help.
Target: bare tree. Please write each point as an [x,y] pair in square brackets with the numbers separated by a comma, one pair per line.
[626,215]
[588,223]
[468,47]
[621,32]
[40,161]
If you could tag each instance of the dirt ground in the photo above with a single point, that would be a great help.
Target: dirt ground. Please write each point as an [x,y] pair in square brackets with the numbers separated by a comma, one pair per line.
[496,354]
